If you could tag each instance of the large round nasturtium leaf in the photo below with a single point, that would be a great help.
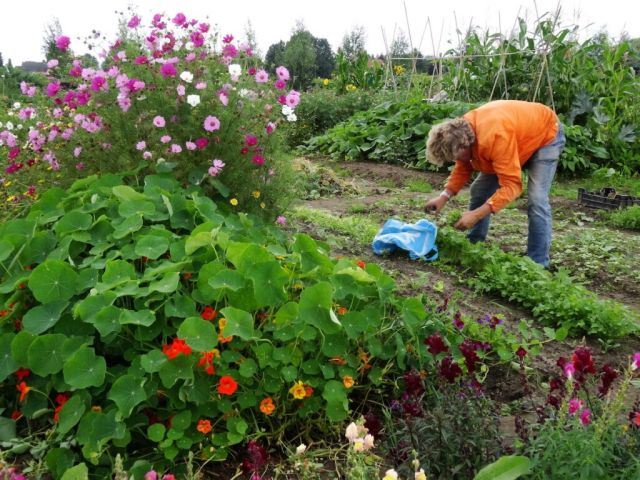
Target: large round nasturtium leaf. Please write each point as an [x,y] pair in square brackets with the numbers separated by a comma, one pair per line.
[151,246]
[72,222]
[84,369]
[239,323]
[5,250]
[70,414]
[269,280]
[45,354]
[41,318]
[198,333]
[8,364]
[53,280]
[127,392]
[230,279]
[136,207]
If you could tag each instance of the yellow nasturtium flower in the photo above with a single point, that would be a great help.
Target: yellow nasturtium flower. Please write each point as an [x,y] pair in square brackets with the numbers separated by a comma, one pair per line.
[233,201]
[256,194]
[298,391]
[325,82]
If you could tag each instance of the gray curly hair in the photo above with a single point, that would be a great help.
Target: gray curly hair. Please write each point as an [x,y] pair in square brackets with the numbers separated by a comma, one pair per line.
[446,139]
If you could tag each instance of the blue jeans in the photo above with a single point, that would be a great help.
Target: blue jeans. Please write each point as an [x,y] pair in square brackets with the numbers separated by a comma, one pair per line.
[541,168]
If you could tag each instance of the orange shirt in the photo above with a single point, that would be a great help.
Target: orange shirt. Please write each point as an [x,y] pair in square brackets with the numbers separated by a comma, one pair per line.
[507,132]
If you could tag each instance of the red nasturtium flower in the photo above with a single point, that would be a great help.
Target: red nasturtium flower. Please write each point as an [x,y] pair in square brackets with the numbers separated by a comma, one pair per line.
[227,385]
[61,399]
[267,406]
[361,264]
[209,313]
[23,388]
[204,426]
[206,361]
[308,390]
[16,414]
[176,348]
[342,310]
[22,373]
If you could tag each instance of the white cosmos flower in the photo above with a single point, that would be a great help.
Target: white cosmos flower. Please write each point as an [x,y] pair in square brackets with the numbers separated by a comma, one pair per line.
[292,117]
[235,70]
[193,100]
[287,110]
[9,126]
[186,76]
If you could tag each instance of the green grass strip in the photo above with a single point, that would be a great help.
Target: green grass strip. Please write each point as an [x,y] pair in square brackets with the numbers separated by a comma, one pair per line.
[554,299]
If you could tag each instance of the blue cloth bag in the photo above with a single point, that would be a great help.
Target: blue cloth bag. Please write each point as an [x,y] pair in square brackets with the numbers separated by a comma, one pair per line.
[419,239]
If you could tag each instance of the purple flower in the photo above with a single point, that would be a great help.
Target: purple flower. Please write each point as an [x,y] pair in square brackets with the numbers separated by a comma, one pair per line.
[281,220]
[133,23]
[435,344]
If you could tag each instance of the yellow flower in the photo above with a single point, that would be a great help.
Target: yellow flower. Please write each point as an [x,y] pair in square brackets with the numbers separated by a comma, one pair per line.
[325,82]
[96,408]
[233,201]
[398,69]
[298,391]
[11,198]
[256,194]
[351,88]
[420,475]
[262,205]
[348,381]
[8,184]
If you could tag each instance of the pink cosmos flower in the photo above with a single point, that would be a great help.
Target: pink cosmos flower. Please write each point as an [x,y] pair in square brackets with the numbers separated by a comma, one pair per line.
[216,167]
[227,39]
[151,475]
[190,145]
[165,139]
[258,160]
[179,20]
[224,99]
[134,22]
[585,417]
[575,404]
[282,73]
[211,123]
[141,145]
[292,99]
[168,70]
[99,83]
[181,90]
[79,166]
[159,121]
[141,60]
[197,39]
[77,151]
[250,140]
[202,143]
[147,155]
[230,51]
[261,76]
[281,220]
[63,42]
[175,148]
[280,84]
[201,85]
[203,27]
[53,63]
[190,57]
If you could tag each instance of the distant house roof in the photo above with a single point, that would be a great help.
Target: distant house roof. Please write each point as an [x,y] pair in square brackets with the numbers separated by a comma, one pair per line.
[34,67]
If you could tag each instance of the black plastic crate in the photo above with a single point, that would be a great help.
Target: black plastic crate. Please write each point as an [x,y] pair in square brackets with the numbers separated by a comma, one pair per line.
[606,198]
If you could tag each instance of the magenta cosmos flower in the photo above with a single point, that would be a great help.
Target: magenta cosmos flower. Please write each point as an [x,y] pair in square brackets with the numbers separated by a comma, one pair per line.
[63,42]
[168,70]
[211,123]
[159,121]
[134,22]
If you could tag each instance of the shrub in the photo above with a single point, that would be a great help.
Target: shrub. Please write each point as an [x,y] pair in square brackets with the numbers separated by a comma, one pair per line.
[169,94]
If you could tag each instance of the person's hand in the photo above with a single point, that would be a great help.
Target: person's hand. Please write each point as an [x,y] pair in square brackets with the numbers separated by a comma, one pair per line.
[435,204]
[467,220]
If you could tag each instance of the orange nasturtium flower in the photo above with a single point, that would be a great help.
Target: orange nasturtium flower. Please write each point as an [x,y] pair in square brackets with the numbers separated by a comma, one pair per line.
[348,381]
[267,406]
[206,361]
[298,390]
[227,385]
[221,338]
[342,310]
[176,348]
[204,426]
[23,388]
[361,264]
[308,390]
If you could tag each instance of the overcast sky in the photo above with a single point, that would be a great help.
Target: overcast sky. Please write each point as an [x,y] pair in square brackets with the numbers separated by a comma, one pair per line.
[22,23]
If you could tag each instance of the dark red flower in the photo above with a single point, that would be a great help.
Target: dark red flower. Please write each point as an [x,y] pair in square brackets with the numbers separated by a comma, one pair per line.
[449,369]
[609,374]
[521,353]
[436,344]
[209,313]
[413,383]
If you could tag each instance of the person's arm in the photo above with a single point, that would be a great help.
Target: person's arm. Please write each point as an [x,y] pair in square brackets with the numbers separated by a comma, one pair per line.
[460,176]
